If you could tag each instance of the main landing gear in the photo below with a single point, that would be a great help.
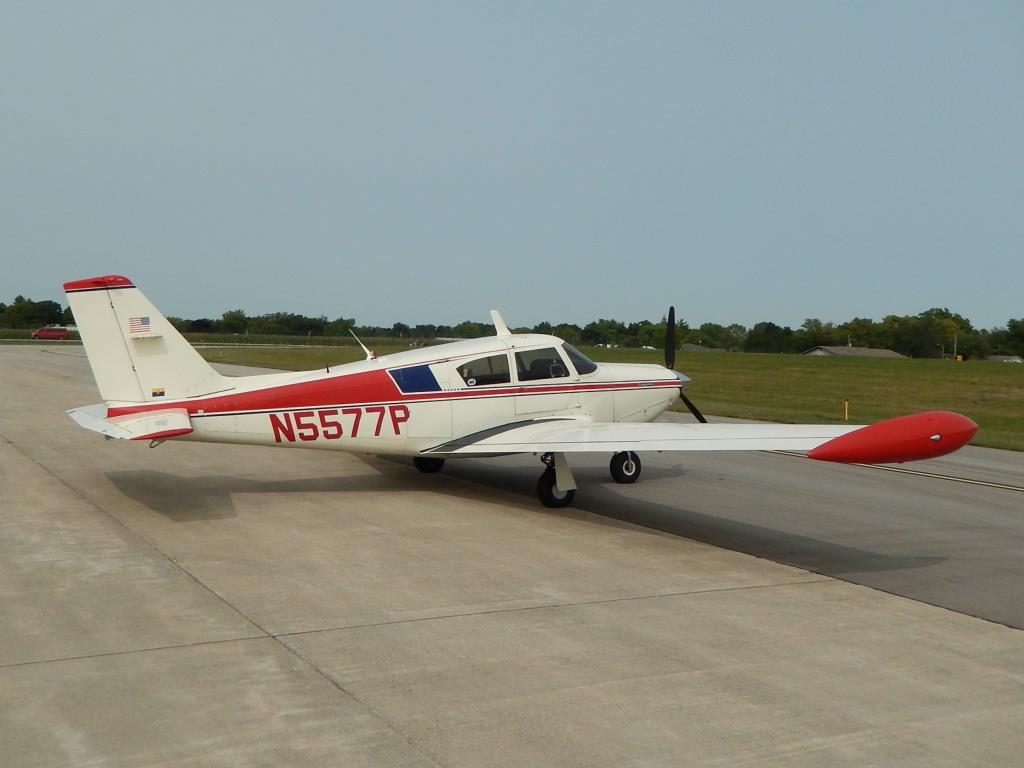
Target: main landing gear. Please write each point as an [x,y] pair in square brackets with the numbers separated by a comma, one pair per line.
[556,486]
[427,464]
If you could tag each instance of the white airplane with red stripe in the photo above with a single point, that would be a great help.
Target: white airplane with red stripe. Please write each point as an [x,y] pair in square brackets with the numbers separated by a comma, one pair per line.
[503,394]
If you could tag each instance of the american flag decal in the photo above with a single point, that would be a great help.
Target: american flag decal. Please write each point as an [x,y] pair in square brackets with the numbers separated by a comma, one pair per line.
[138,325]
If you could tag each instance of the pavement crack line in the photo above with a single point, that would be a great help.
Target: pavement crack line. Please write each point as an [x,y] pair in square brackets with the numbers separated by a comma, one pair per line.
[384,719]
[917,473]
[823,579]
[129,651]
[134,534]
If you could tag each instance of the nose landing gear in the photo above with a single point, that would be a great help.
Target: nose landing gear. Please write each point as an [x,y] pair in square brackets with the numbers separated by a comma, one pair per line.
[625,467]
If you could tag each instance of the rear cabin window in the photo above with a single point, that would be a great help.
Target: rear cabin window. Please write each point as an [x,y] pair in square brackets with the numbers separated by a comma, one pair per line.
[416,378]
[485,370]
[536,364]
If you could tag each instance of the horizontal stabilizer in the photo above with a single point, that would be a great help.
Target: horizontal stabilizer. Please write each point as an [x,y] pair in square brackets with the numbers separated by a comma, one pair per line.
[150,425]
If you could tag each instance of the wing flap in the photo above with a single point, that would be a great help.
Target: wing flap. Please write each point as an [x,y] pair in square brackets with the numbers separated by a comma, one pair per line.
[574,436]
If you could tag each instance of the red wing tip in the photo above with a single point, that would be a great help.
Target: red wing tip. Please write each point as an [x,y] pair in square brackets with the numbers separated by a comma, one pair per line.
[923,435]
[103,281]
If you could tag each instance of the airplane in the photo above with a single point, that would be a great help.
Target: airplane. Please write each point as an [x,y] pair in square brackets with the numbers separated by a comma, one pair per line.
[503,394]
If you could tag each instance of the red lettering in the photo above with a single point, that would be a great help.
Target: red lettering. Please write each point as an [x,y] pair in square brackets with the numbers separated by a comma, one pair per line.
[282,426]
[379,410]
[399,415]
[330,424]
[306,432]
[354,432]
[310,425]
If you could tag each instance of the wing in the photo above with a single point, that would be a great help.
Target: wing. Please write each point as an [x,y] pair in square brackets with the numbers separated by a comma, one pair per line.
[921,435]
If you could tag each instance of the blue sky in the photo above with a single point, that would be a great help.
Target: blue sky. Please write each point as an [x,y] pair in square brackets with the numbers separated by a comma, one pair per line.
[423,162]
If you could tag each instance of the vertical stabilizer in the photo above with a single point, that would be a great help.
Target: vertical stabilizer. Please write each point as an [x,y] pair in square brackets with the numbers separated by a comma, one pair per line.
[135,353]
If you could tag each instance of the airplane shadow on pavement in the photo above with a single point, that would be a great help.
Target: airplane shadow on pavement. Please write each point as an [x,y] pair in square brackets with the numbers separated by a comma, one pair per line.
[605,499]
[209,497]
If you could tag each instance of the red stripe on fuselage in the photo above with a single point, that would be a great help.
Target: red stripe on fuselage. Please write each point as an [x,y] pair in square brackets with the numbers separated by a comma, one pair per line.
[361,388]
[369,386]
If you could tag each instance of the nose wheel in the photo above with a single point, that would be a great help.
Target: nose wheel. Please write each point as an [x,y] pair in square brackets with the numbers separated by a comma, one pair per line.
[625,467]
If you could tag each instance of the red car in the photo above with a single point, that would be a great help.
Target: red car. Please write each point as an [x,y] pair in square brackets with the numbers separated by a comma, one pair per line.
[52,332]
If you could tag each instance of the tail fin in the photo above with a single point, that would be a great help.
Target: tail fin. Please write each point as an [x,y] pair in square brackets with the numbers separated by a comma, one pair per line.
[135,353]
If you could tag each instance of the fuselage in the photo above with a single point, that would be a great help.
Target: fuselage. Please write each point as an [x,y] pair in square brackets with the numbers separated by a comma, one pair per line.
[408,402]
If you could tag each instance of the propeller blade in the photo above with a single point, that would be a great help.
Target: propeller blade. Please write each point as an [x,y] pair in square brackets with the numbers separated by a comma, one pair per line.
[670,339]
[693,408]
[670,362]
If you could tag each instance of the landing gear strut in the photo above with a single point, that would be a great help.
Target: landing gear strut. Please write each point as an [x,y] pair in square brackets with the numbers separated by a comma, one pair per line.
[625,467]
[556,486]
[427,464]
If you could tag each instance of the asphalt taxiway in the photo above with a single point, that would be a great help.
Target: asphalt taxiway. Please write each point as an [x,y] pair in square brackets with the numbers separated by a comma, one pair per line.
[223,605]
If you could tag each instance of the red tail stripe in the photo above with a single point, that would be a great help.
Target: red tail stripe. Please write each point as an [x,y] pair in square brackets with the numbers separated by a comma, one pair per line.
[104,281]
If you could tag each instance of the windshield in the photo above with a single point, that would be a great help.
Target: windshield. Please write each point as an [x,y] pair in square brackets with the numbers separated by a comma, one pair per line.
[584,364]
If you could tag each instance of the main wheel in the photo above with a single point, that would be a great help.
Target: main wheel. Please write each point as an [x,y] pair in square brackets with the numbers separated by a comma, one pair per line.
[548,492]
[427,464]
[625,467]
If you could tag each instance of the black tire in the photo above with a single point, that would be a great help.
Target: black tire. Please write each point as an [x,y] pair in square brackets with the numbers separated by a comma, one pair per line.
[549,494]
[625,467]
[427,464]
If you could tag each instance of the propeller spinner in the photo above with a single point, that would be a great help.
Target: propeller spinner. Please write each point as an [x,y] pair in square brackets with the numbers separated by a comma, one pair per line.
[670,362]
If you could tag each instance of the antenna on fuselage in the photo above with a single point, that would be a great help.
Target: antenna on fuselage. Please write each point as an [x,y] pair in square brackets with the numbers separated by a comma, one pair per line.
[369,354]
[500,328]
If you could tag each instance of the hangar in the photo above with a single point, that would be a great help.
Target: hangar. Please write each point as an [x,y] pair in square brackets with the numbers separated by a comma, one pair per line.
[849,351]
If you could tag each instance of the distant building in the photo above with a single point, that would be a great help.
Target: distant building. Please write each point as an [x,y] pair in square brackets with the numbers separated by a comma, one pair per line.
[852,352]
[1005,359]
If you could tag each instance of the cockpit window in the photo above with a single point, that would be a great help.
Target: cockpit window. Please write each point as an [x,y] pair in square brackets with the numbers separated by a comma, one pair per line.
[485,370]
[535,364]
[584,364]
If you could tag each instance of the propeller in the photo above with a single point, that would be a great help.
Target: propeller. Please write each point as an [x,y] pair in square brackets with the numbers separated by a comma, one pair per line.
[670,362]
[670,339]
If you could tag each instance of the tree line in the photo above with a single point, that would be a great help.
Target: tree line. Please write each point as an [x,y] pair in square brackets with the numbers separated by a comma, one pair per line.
[932,333]
[25,313]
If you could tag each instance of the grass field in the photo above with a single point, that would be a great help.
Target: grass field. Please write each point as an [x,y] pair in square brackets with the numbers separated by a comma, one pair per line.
[786,388]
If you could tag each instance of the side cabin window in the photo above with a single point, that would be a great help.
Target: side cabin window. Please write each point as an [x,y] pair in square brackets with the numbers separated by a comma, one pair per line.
[536,364]
[584,364]
[485,370]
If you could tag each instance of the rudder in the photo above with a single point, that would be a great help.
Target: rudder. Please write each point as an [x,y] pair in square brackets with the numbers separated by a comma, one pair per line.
[135,353]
